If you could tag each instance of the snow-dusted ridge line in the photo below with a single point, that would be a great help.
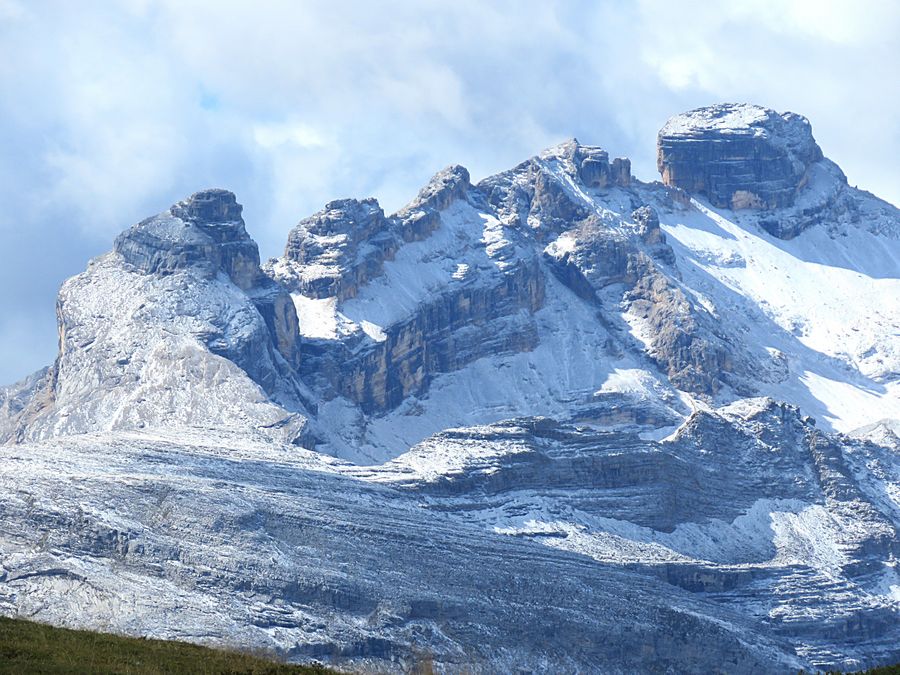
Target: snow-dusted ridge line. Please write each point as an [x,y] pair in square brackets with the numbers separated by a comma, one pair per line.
[559,420]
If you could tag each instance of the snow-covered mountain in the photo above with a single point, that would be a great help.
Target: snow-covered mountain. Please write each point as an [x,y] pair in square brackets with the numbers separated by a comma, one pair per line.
[560,419]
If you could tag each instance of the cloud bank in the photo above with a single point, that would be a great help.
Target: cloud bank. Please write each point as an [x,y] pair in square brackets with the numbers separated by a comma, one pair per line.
[111,112]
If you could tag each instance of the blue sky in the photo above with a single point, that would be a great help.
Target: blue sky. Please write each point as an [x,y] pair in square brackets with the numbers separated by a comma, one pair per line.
[112,111]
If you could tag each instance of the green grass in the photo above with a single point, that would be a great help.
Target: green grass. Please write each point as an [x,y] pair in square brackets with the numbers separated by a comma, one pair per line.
[28,647]
[883,670]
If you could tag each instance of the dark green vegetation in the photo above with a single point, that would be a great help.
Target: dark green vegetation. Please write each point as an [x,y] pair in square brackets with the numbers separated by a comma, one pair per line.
[884,670]
[27,647]
[881,670]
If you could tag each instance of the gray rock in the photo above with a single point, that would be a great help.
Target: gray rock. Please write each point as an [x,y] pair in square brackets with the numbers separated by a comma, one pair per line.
[444,334]
[595,170]
[684,340]
[619,256]
[336,250]
[620,171]
[593,166]
[754,457]
[419,218]
[647,220]
[470,544]
[443,189]
[344,246]
[339,251]
[267,547]
[205,232]
[737,155]
[168,326]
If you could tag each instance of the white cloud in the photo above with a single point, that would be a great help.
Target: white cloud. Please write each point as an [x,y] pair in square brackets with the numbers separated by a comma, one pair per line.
[11,10]
[294,135]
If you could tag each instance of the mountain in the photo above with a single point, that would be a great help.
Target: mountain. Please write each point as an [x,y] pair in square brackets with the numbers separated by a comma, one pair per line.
[560,419]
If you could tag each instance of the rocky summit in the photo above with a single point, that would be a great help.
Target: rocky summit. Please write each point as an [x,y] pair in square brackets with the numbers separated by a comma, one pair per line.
[557,419]
[738,156]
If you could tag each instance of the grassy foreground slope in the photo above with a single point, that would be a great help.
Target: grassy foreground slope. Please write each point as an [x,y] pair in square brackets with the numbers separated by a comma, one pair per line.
[28,647]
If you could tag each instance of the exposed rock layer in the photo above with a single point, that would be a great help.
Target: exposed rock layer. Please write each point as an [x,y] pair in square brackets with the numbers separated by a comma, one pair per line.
[738,156]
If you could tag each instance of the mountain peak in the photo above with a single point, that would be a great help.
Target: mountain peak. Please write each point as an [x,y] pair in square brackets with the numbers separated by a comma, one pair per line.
[445,186]
[738,155]
[213,205]
[591,164]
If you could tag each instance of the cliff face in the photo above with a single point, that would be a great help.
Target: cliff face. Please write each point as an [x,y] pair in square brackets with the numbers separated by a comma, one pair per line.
[466,296]
[617,256]
[376,315]
[444,334]
[204,233]
[483,253]
[337,250]
[746,536]
[176,326]
[738,156]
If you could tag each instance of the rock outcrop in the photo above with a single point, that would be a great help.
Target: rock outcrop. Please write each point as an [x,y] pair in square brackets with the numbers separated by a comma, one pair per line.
[602,255]
[738,156]
[333,252]
[595,170]
[204,232]
[444,334]
[381,350]
[177,326]
[657,507]
[256,546]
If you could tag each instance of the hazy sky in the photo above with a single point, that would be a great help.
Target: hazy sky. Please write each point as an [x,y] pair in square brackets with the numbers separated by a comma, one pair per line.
[112,111]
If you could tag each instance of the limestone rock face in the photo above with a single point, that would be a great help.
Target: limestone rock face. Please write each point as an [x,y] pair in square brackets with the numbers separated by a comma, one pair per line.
[269,547]
[344,246]
[647,220]
[446,332]
[443,189]
[376,335]
[684,338]
[739,156]
[615,259]
[177,323]
[776,469]
[205,231]
[206,235]
[595,170]
[334,251]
